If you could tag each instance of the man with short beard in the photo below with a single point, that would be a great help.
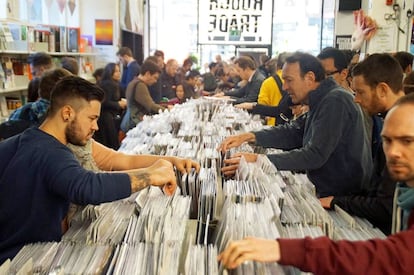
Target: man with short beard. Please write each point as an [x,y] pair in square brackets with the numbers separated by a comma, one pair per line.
[393,255]
[40,176]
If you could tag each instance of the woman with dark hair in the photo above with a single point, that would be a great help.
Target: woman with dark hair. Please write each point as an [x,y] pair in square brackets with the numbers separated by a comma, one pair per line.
[112,107]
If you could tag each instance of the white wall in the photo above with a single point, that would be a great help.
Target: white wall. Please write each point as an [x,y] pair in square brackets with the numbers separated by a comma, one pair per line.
[388,37]
[104,9]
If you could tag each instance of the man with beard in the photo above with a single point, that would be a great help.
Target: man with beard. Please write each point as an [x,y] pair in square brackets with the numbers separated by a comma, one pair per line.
[377,256]
[376,91]
[40,176]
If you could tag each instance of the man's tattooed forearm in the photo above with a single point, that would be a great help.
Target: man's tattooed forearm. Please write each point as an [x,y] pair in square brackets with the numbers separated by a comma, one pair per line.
[143,180]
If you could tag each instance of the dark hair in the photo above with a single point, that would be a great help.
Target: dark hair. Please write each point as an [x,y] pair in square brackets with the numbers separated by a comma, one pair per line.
[159,53]
[98,73]
[340,60]
[33,89]
[307,63]
[212,65]
[124,51]
[192,74]
[272,65]
[70,64]
[74,91]
[220,72]
[109,71]
[264,58]
[408,84]
[151,67]
[245,62]
[404,58]
[152,58]
[407,99]
[188,61]
[349,55]
[281,59]
[40,59]
[49,80]
[378,68]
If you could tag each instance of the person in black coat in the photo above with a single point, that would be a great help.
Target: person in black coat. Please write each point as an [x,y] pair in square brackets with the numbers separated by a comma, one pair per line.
[112,107]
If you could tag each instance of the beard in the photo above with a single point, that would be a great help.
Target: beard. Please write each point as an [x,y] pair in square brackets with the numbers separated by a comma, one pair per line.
[400,173]
[73,134]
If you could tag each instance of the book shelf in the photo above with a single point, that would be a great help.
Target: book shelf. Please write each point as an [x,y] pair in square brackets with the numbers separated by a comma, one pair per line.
[13,85]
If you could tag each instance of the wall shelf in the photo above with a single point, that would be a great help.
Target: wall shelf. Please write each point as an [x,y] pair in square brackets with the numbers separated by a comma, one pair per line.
[13,89]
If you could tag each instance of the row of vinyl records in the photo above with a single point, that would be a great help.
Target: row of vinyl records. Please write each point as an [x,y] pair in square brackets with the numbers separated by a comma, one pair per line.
[150,233]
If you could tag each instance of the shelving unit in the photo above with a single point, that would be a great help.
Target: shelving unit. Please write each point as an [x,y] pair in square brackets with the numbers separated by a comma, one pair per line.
[18,87]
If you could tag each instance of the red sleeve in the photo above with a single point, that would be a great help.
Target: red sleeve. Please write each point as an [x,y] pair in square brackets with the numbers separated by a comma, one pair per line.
[394,255]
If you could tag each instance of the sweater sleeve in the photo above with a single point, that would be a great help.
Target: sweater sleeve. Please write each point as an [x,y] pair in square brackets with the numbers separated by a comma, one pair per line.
[320,143]
[68,179]
[377,209]
[324,256]
[288,136]
[143,97]
[237,93]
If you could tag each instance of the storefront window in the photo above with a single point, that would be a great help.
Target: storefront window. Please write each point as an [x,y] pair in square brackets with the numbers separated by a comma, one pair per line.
[306,25]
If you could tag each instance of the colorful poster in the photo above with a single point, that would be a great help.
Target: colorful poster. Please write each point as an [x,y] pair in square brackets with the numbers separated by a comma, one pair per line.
[103,32]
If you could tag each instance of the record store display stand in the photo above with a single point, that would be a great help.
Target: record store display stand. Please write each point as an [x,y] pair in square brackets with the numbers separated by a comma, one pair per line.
[150,233]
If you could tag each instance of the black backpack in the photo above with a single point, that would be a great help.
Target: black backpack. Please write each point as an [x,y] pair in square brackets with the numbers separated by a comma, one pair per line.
[14,127]
[284,103]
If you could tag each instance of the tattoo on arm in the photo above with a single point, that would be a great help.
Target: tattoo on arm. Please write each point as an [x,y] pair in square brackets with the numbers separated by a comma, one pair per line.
[139,181]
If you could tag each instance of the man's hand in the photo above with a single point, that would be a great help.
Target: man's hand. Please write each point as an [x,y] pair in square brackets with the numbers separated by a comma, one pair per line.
[245,105]
[235,141]
[232,163]
[219,94]
[326,202]
[254,249]
[185,165]
[161,174]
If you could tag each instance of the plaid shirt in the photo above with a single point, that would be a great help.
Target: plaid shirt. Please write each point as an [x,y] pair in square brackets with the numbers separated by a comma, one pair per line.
[37,110]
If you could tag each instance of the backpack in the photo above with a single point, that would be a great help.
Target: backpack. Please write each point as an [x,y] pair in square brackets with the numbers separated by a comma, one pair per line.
[285,102]
[14,127]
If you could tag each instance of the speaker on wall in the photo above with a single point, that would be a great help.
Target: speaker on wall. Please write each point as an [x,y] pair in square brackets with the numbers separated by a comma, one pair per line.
[134,42]
[349,5]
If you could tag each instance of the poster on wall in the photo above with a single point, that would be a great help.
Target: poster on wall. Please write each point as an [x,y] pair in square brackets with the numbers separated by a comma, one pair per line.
[235,22]
[412,38]
[103,32]
[384,41]
[343,42]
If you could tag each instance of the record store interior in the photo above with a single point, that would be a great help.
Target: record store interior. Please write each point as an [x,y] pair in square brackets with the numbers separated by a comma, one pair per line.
[206,137]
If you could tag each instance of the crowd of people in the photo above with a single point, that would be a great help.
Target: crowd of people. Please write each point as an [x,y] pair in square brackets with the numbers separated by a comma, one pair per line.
[346,125]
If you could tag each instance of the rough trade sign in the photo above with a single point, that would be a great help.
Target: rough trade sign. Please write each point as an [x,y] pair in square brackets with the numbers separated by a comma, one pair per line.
[237,22]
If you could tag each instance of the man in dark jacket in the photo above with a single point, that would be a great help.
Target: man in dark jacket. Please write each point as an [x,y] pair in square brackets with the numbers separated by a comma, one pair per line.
[393,255]
[246,67]
[329,142]
[130,69]
[376,91]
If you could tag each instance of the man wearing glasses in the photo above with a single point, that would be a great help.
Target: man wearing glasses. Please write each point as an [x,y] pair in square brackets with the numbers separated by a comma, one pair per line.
[330,142]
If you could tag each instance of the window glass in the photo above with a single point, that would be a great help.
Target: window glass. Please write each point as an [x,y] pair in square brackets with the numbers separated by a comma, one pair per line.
[306,25]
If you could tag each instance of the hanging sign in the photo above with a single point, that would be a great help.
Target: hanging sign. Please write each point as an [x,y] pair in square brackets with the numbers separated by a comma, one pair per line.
[235,22]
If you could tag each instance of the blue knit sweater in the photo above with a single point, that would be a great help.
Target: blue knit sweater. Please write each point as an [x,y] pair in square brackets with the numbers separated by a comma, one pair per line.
[39,176]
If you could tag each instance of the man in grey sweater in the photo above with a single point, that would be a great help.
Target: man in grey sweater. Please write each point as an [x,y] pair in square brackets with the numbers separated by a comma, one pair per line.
[329,142]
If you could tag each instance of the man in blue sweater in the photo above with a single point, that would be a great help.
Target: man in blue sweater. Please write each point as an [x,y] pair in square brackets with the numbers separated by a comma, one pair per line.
[39,175]
[329,142]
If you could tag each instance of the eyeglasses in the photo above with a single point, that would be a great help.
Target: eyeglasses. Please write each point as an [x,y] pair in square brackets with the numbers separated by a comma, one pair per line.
[332,73]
